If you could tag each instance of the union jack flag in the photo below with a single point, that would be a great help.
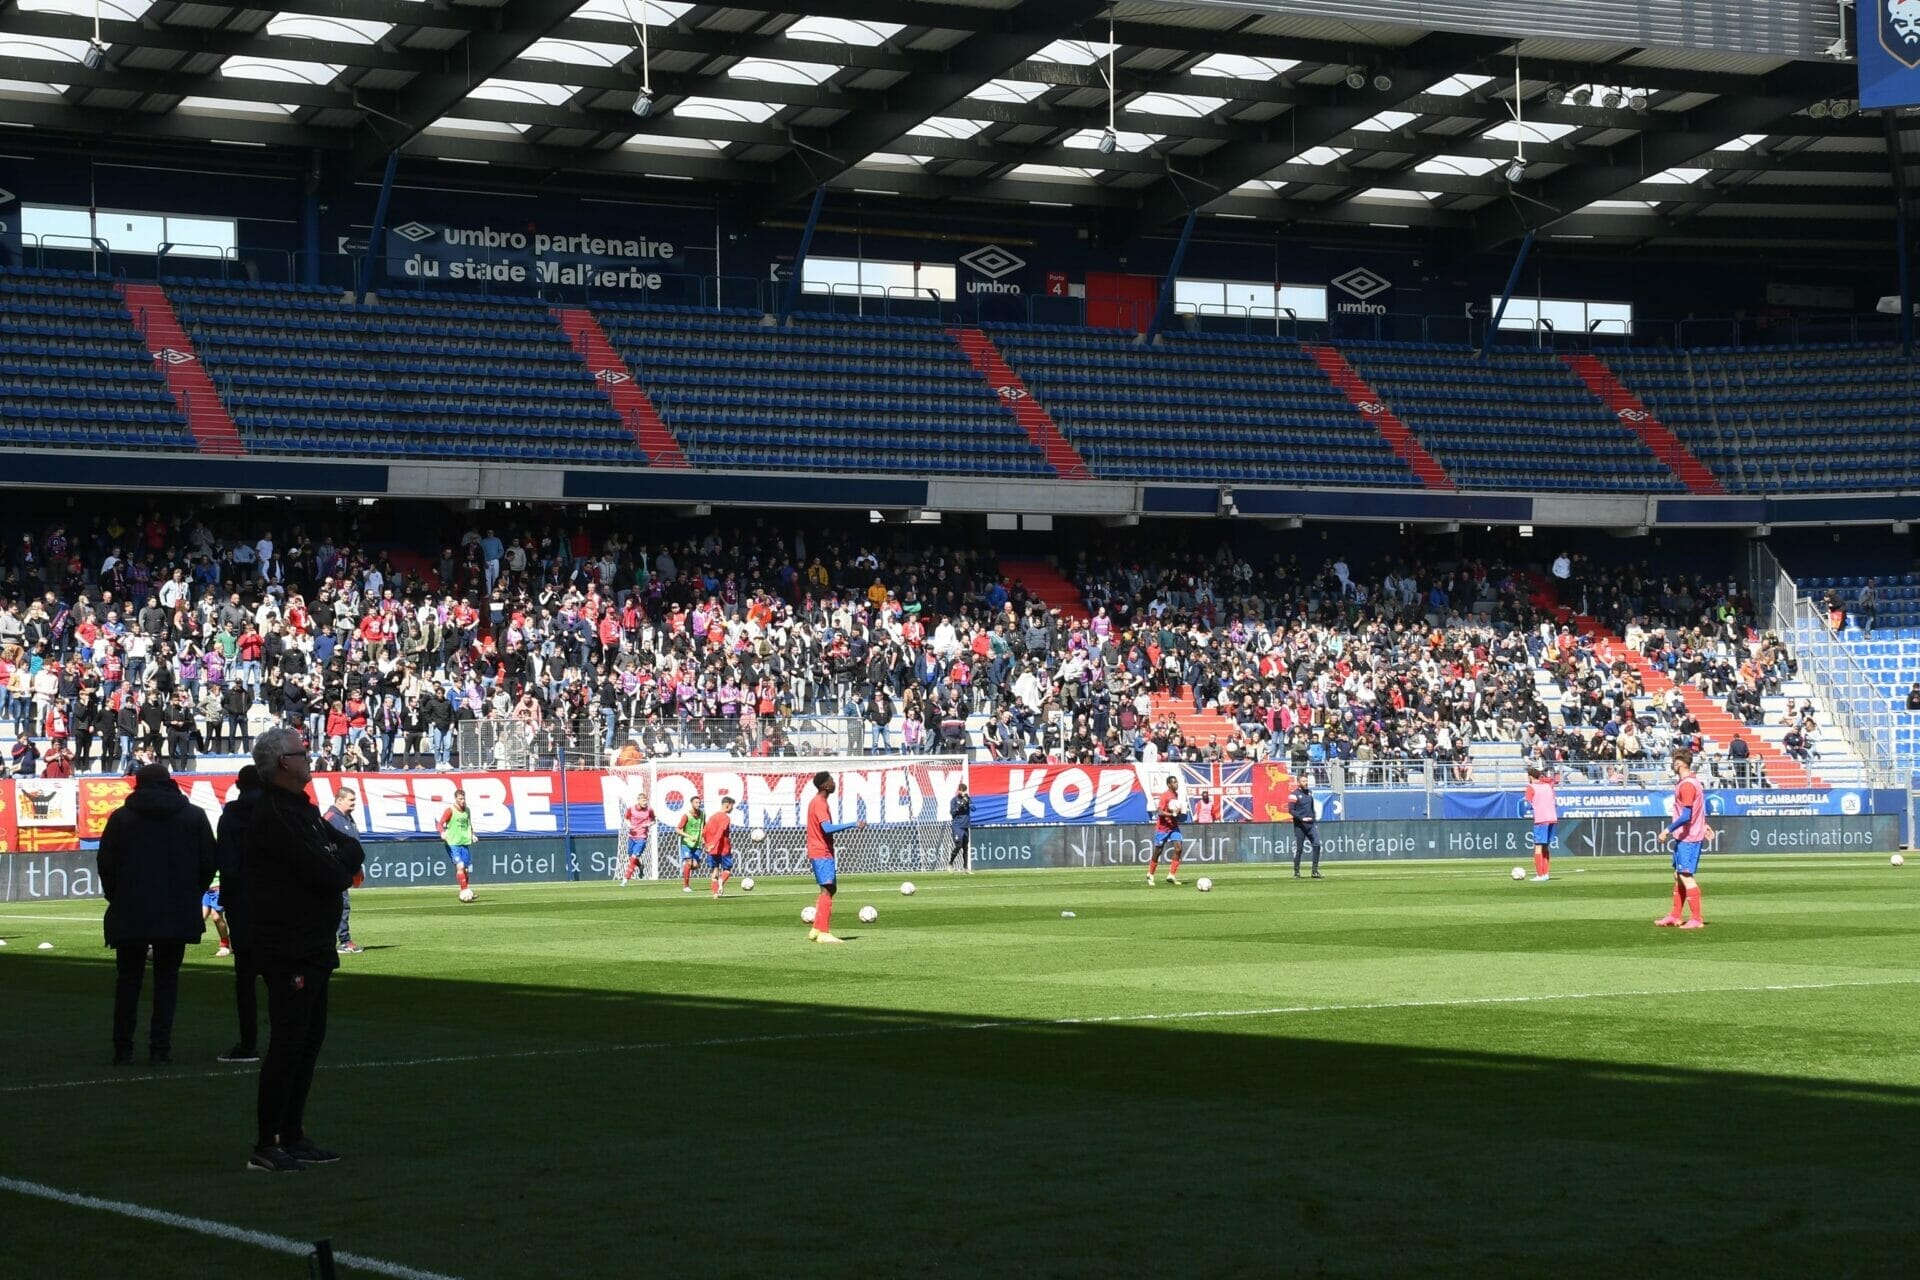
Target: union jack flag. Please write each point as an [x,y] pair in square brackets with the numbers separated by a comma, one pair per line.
[1232,784]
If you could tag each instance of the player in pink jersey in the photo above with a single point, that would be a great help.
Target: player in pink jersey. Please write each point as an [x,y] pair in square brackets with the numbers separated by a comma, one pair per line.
[1545,808]
[639,830]
[1689,833]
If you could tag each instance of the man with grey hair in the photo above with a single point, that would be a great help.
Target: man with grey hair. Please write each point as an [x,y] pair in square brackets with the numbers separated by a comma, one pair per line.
[297,867]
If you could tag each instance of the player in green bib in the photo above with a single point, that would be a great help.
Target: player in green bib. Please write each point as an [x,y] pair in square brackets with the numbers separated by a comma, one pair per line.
[693,829]
[456,831]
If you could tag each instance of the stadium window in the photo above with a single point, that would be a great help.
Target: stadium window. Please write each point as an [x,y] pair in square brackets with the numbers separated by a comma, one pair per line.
[879,279]
[1248,298]
[1566,315]
[128,231]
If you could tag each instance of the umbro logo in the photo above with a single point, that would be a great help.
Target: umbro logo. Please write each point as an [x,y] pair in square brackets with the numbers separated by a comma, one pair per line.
[1012,393]
[992,261]
[415,232]
[612,375]
[1635,415]
[172,355]
[1361,283]
[1372,408]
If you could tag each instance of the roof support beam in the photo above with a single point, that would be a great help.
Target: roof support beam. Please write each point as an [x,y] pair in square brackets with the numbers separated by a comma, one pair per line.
[1430,60]
[1787,92]
[970,64]
[484,53]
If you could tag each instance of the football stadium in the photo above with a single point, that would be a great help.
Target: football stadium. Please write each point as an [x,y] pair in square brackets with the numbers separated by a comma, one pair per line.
[1337,578]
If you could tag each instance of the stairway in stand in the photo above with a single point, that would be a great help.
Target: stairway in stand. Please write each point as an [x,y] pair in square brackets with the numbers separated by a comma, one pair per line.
[1637,418]
[1360,393]
[1715,724]
[187,379]
[1028,412]
[1048,585]
[1195,726]
[617,383]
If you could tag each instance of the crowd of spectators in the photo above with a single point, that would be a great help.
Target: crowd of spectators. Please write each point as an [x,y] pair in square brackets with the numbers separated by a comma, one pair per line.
[516,641]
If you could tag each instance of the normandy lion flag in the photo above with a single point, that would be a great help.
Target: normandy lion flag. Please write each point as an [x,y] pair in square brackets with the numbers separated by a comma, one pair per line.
[1888,39]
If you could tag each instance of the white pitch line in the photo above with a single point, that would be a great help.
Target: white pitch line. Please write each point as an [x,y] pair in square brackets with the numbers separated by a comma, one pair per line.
[219,1230]
[993,1024]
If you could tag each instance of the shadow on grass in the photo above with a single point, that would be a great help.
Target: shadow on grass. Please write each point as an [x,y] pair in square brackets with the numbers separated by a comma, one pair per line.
[762,1136]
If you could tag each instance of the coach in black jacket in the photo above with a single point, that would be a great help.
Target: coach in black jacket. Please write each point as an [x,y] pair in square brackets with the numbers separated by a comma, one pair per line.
[156,860]
[236,900]
[1300,808]
[296,868]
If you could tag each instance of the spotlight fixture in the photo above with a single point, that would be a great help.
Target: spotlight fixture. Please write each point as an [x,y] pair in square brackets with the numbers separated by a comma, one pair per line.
[1382,81]
[1582,96]
[1638,101]
[1109,142]
[1842,108]
[1613,101]
[95,57]
[1818,110]
[1356,77]
[1516,170]
[643,104]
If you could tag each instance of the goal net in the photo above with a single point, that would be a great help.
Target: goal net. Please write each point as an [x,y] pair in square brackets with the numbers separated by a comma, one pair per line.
[904,800]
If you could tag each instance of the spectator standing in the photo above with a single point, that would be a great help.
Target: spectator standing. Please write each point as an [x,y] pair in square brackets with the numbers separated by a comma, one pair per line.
[1868,605]
[1305,823]
[297,865]
[236,900]
[156,860]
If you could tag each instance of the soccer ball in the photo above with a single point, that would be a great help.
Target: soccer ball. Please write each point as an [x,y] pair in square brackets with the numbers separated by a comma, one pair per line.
[758,836]
[1519,873]
[806,915]
[466,895]
[868,915]
[1204,885]
[907,889]
[746,886]
[1898,861]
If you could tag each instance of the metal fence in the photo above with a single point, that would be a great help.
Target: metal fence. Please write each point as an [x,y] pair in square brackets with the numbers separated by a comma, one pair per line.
[604,739]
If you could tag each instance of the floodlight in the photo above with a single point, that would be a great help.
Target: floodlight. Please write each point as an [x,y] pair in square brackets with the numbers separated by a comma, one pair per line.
[96,55]
[643,104]
[1109,142]
[1356,78]
[1382,81]
[1818,111]
[1516,169]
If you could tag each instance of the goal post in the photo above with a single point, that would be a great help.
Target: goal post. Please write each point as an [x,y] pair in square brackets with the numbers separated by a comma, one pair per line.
[904,800]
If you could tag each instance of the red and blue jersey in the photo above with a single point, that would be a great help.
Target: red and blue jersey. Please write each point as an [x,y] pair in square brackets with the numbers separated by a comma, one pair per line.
[1689,798]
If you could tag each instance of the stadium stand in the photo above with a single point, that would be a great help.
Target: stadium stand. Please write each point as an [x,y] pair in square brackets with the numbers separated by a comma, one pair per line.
[77,373]
[1521,421]
[1198,407]
[419,375]
[862,395]
[1786,419]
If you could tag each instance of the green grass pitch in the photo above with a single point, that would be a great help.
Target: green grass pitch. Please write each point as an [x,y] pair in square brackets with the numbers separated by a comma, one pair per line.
[1407,1069]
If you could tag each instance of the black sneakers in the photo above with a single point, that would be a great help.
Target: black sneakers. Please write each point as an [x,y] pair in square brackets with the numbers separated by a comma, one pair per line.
[239,1053]
[159,1057]
[306,1153]
[123,1057]
[273,1160]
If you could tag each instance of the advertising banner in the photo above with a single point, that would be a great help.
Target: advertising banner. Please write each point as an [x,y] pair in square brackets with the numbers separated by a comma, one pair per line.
[427,254]
[1625,802]
[1888,39]
[1125,793]
[1369,841]
[8,841]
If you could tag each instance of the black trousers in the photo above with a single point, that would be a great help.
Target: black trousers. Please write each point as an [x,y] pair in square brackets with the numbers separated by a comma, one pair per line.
[130,965]
[296,1028]
[1304,835]
[245,998]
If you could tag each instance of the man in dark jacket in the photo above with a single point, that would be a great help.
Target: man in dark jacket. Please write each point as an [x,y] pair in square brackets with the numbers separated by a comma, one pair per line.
[156,860]
[1301,810]
[236,821]
[296,868]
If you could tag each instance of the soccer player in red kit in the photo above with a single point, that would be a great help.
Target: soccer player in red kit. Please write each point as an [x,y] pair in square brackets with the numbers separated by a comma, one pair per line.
[719,839]
[1688,832]
[1166,832]
[820,834]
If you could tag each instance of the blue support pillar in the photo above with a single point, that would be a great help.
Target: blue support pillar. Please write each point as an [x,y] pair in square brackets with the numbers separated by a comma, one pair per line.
[375,251]
[1499,312]
[1906,287]
[792,295]
[1173,273]
[310,234]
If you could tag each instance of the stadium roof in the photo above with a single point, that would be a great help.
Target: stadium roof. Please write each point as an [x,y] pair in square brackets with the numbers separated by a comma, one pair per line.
[1241,114]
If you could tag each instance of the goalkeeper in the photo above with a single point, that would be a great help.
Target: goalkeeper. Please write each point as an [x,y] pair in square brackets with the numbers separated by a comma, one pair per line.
[960,818]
